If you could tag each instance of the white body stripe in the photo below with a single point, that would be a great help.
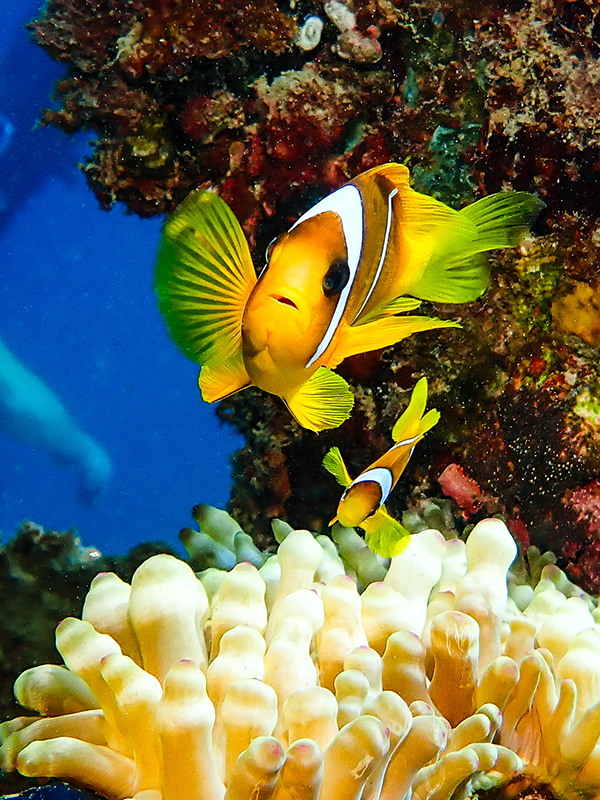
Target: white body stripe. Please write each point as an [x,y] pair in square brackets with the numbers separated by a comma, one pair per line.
[347,204]
[405,442]
[380,475]
[384,249]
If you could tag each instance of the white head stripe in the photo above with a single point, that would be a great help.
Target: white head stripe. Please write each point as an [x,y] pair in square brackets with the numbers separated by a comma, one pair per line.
[379,475]
[384,249]
[347,204]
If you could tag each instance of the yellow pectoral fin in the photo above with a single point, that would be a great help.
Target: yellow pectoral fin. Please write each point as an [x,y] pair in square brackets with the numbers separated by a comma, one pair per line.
[356,339]
[334,463]
[203,278]
[219,382]
[385,535]
[324,401]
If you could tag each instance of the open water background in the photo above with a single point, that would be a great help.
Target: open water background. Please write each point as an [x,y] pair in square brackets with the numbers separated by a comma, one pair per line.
[77,308]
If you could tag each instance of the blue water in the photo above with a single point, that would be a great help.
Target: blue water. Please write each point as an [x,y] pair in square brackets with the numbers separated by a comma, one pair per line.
[77,309]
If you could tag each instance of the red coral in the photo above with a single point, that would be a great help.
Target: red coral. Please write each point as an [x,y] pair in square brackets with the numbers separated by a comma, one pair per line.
[461,488]
[586,502]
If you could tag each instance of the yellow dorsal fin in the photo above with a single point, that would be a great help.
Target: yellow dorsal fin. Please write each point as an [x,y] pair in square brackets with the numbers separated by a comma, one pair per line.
[398,174]
[227,378]
[334,463]
[203,278]
[324,401]
[385,535]
[379,333]
[412,422]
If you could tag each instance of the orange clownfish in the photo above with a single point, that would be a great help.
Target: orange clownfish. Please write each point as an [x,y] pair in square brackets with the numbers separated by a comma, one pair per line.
[362,503]
[334,285]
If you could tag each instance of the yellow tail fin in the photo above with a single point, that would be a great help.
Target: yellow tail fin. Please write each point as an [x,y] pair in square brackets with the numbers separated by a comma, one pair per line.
[412,422]
[334,463]
[455,270]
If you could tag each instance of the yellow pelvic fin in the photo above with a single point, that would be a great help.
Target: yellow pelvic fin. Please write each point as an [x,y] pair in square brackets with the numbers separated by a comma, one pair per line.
[324,401]
[334,463]
[453,269]
[203,278]
[385,535]
[384,332]
[412,422]
[227,378]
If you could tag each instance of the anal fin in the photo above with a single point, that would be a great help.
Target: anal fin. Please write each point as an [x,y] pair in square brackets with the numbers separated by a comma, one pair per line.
[324,401]
[226,379]
[382,333]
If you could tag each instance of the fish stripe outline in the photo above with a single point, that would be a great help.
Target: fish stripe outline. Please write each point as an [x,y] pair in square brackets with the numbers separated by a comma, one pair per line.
[380,475]
[347,204]
[384,249]
[405,442]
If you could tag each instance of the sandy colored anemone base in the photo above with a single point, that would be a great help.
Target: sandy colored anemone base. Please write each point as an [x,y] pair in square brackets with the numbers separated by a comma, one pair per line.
[286,682]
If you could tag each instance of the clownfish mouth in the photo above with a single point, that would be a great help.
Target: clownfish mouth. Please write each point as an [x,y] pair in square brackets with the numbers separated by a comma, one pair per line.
[286,301]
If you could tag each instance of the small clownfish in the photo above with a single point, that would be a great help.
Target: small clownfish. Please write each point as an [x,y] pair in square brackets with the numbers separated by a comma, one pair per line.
[362,503]
[334,285]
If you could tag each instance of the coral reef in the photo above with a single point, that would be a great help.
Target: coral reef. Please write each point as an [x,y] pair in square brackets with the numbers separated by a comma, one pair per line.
[431,680]
[183,93]
[280,109]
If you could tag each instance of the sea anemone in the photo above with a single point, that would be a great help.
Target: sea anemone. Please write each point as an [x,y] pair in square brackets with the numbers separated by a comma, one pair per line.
[288,681]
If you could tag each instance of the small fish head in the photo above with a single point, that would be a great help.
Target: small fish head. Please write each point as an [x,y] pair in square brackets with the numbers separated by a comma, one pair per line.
[293,301]
[358,502]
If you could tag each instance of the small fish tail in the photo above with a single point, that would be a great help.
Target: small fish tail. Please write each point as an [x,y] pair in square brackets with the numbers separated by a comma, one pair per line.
[412,422]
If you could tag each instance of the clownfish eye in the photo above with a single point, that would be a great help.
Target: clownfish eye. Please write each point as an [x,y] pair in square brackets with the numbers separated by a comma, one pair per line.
[336,278]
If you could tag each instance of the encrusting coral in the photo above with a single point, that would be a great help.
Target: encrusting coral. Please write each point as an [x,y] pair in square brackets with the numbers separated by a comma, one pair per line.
[289,682]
